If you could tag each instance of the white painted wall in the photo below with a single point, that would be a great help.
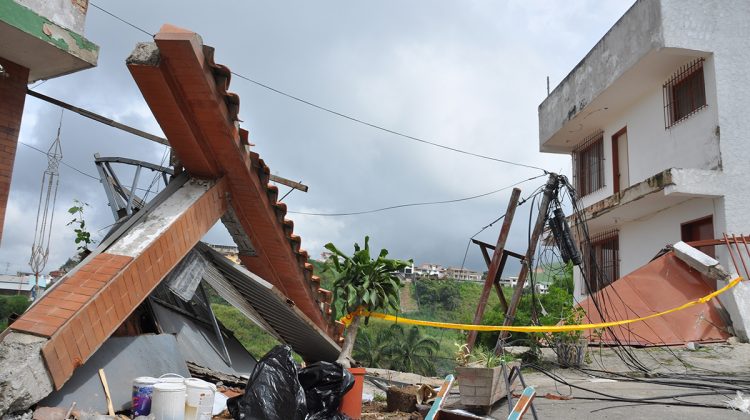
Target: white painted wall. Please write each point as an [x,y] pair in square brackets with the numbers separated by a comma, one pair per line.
[692,143]
[641,240]
[721,26]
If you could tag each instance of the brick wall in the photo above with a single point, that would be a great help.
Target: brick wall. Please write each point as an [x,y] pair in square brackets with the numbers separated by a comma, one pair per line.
[12,97]
[80,313]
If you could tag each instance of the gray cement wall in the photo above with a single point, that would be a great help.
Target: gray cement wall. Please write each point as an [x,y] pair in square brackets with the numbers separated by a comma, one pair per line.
[632,37]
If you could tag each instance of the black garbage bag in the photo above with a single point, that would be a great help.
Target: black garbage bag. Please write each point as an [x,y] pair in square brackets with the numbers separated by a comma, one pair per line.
[325,385]
[273,391]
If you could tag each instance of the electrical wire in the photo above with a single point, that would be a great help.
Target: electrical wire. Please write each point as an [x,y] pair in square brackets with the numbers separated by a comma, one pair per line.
[347,116]
[656,400]
[63,162]
[122,20]
[426,203]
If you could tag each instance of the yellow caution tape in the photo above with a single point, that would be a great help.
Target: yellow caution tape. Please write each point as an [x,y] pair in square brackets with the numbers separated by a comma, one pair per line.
[536,328]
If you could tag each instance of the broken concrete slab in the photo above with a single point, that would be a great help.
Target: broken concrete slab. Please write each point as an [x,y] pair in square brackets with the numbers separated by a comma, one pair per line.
[697,260]
[23,376]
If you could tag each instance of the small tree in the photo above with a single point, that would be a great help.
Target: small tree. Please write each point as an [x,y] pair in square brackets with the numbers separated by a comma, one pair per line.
[363,283]
[83,236]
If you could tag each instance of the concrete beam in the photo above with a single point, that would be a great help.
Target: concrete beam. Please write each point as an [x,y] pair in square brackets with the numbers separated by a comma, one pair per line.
[701,262]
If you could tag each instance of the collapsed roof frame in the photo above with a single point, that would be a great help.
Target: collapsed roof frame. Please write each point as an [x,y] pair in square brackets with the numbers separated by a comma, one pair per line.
[223,180]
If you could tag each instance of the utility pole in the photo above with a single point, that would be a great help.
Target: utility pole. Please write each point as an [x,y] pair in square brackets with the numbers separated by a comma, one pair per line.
[550,190]
[496,265]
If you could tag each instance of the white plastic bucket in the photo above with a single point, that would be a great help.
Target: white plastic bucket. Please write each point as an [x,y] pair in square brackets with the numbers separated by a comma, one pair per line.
[199,402]
[171,378]
[143,389]
[168,401]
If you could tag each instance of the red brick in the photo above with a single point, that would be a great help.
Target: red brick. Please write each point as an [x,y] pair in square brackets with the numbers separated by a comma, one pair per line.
[13,94]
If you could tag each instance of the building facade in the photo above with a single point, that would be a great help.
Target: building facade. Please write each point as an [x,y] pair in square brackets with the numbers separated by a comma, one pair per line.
[653,118]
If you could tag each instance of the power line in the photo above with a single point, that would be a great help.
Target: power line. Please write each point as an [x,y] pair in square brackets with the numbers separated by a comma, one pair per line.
[427,203]
[381,128]
[123,20]
[63,162]
[347,116]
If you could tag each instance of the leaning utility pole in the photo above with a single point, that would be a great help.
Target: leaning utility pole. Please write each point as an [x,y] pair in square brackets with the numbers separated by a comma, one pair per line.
[496,265]
[550,190]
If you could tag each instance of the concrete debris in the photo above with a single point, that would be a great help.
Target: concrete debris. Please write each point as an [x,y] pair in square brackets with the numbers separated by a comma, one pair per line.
[24,415]
[516,351]
[23,376]
[52,413]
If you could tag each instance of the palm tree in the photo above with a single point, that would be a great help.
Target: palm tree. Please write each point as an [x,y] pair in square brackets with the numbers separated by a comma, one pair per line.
[408,351]
[363,283]
[369,348]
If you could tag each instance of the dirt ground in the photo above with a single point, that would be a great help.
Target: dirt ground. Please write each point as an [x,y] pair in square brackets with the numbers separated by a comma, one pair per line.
[378,410]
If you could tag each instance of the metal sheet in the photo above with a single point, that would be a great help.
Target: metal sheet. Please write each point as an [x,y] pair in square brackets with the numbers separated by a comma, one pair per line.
[184,279]
[123,359]
[197,342]
[277,311]
[663,284]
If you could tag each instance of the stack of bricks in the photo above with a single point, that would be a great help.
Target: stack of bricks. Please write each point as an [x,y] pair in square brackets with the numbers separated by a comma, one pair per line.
[13,82]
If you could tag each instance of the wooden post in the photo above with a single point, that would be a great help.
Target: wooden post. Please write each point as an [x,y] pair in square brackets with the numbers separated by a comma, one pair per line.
[549,191]
[494,268]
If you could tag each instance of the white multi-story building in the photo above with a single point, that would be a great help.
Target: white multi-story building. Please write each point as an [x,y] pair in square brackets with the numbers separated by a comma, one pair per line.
[462,274]
[655,118]
[435,271]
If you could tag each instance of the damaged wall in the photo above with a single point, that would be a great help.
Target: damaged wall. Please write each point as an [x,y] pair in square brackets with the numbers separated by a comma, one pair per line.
[77,315]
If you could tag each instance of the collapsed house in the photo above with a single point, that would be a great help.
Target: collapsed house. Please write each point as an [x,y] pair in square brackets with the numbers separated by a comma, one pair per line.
[137,304]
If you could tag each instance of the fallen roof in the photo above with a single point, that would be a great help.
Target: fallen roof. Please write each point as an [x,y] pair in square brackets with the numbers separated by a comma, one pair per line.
[279,316]
[664,283]
[187,93]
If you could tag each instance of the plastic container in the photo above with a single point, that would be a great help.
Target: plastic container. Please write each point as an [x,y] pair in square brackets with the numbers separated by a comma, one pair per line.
[171,378]
[143,389]
[351,404]
[168,401]
[199,402]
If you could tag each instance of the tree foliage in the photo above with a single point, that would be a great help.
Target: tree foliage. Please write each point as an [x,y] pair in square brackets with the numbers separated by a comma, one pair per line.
[11,305]
[551,308]
[83,236]
[361,281]
[442,294]
[397,348]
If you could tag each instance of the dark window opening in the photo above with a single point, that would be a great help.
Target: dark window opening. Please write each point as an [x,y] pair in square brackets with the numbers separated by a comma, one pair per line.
[588,161]
[684,93]
[699,230]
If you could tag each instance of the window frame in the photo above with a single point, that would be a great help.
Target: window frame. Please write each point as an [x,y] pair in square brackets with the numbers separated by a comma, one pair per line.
[609,267]
[691,78]
[584,165]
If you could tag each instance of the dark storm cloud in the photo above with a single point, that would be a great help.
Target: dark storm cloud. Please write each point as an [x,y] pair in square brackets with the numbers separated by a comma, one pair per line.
[466,74]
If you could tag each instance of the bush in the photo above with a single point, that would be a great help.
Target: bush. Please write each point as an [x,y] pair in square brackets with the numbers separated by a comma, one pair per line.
[443,294]
[11,305]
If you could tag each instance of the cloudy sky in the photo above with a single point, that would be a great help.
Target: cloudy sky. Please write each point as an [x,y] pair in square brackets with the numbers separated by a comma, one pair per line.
[466,74]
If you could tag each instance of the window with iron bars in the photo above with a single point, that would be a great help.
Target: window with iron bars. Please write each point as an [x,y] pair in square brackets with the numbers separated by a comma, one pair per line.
[684,93]
[588,164]
[602,260]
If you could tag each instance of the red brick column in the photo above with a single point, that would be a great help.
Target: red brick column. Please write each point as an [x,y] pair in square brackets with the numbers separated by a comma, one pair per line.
[12,96]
